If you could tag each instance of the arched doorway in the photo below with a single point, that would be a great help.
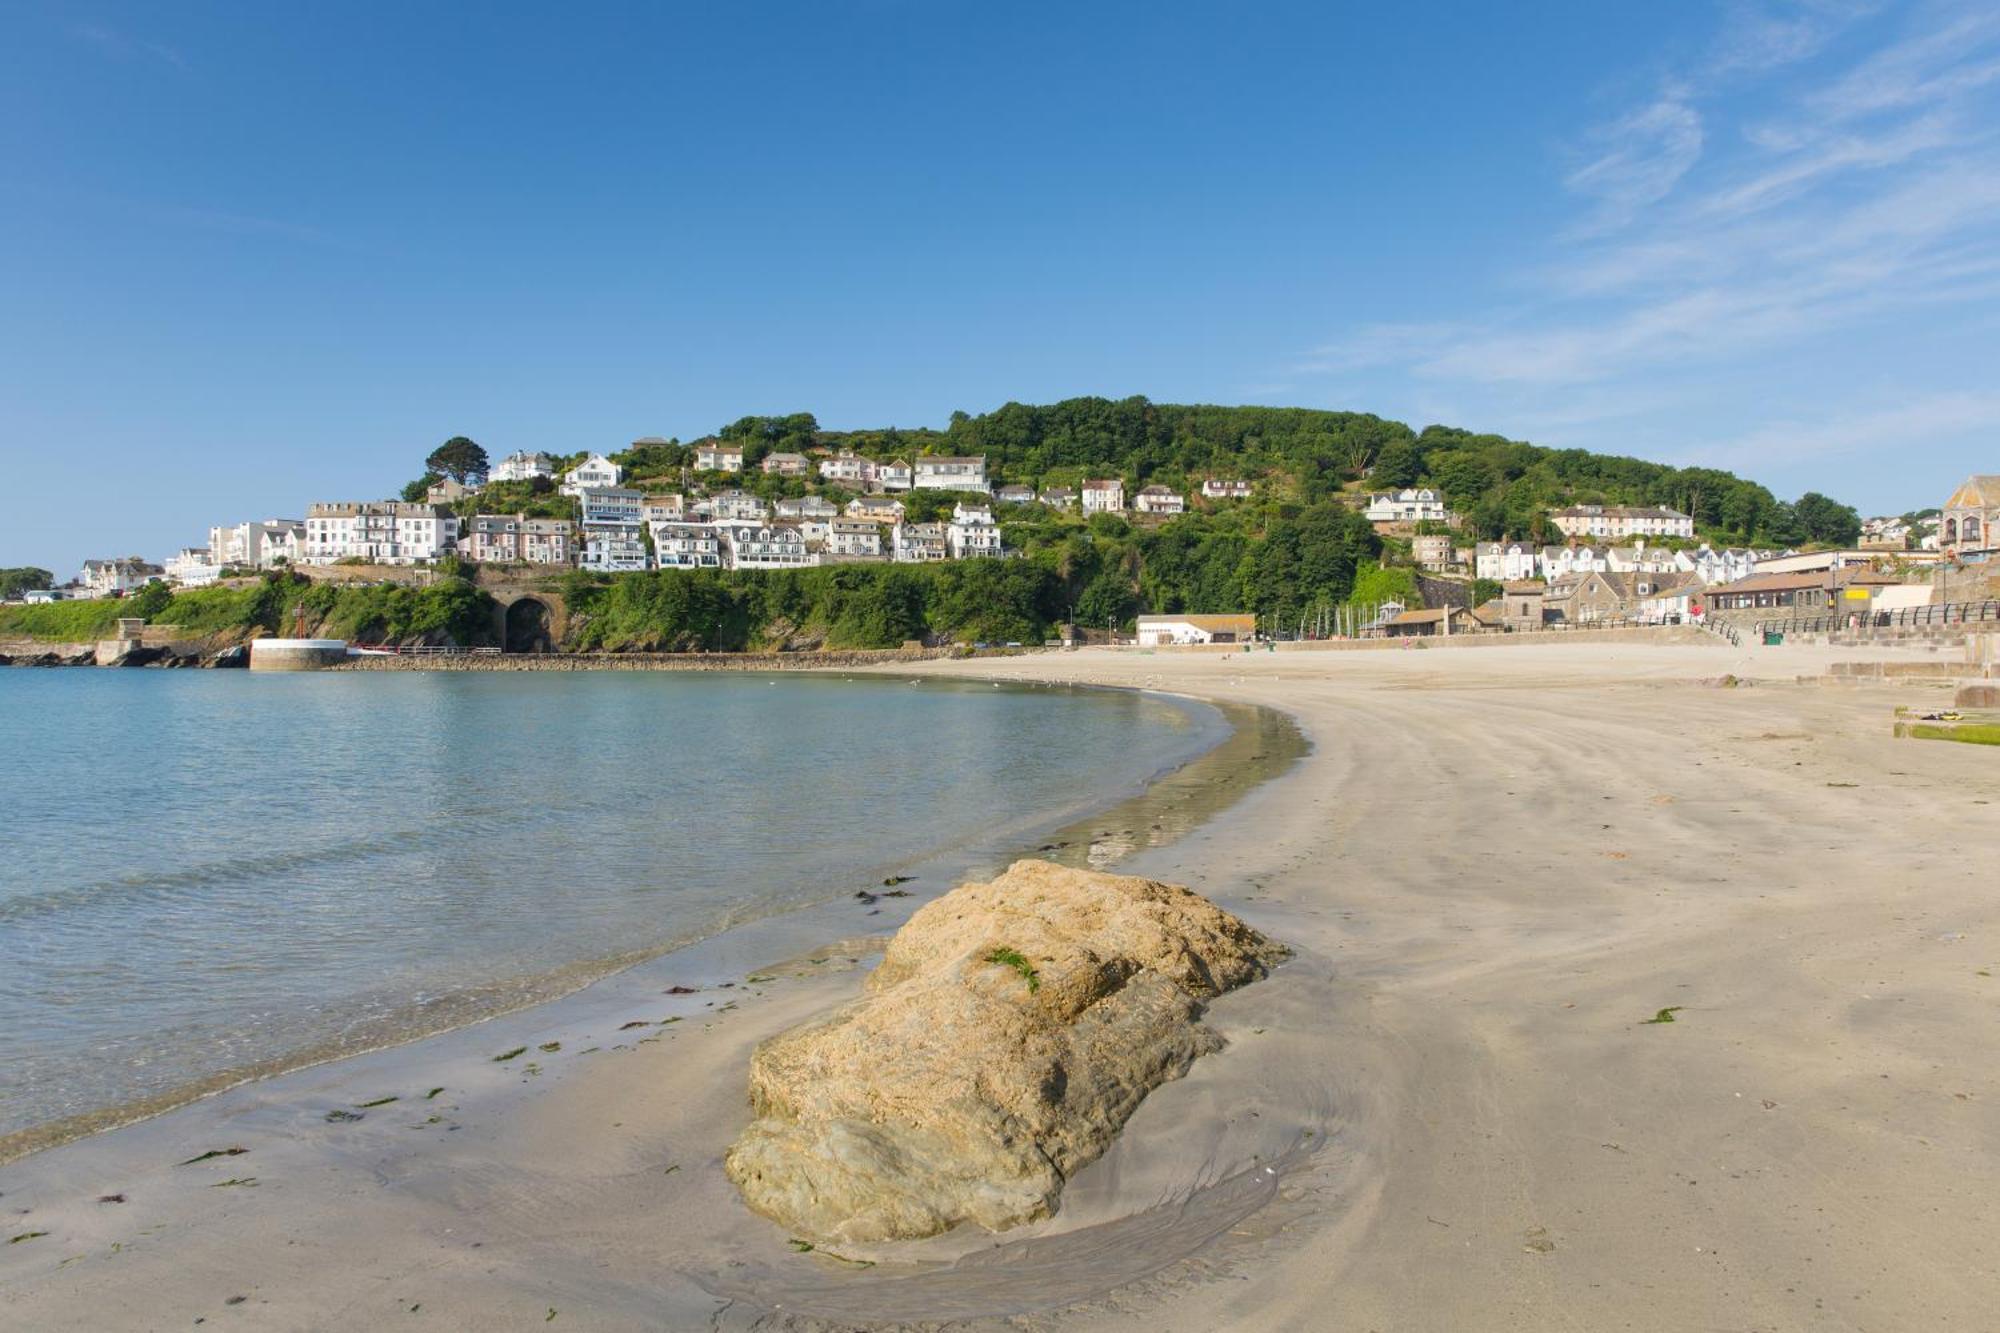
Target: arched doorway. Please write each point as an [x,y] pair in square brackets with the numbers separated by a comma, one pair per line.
[528,627]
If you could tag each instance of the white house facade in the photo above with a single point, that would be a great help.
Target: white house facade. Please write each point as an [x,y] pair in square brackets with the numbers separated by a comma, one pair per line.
[383,532]
[524,467]
[939,473]
[1104,497]
[594,471]
[1159,500]
[1421,505]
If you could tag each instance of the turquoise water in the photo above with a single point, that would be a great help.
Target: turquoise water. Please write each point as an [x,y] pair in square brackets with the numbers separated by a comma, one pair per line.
[209,872]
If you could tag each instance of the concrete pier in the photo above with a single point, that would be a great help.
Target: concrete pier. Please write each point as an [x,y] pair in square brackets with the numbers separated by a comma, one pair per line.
[296,654]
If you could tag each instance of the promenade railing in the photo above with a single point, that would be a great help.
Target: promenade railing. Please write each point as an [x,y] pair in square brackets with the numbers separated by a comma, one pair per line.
[1908,617]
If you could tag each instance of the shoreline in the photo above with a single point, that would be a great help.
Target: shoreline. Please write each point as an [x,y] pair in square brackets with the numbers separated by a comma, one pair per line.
[1446,1112]
[1063,834]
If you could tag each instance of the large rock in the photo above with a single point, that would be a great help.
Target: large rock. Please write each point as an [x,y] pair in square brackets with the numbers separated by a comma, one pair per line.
[1011,1028]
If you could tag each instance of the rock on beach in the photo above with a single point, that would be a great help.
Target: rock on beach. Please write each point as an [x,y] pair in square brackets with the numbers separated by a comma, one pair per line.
[1008,1033]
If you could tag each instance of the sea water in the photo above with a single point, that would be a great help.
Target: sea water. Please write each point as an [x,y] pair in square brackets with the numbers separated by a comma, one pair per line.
[212,874]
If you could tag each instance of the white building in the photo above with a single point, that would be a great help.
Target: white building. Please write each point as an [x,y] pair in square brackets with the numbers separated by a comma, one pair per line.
[613,517]
[505,539]
[526,467]
[972,532]
[1561,562]
[1225,488]
[854,539]
[191,567]
[1422,505]
[667,507]
[878,507]
[679,545]
[751,545]
[715,456]
[921,543]
[1622,521]
[115,578]
[1058,497]
[1104,497]
[808,507]
[786,465]
[256,545]
[734,506]
[594,471]
[897,475]
[1506,562]
[1160,631]
[848,469]
[940,473]
[1159,500]
[380,532]
[1015,494]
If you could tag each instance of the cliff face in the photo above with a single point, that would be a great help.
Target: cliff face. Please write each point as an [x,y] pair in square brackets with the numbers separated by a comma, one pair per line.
[1011,1029]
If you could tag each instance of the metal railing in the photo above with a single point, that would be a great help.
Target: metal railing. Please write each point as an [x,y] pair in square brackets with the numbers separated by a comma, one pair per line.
[1944,613]
[426,650]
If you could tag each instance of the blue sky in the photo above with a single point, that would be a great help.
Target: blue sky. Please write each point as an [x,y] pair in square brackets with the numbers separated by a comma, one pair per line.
[254,255]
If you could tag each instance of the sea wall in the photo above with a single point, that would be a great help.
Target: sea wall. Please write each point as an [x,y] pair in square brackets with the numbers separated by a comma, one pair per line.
[806,661]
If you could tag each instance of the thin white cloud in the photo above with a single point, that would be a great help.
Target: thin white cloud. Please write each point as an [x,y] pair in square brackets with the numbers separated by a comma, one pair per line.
[1638,158]
[1902,426]
[122,46]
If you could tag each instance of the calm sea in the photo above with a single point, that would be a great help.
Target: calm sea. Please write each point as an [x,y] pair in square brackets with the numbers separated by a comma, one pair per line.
[207,872]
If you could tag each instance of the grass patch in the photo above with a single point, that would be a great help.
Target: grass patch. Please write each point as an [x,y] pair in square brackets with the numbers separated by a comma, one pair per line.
[1012,958]
[1664,1016]
[1967,733]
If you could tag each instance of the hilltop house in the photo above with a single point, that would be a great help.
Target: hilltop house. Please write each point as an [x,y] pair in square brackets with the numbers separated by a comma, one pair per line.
[939,473]
[384,532]
[678,545]
[896,475]
[849,469]
[255,545]
[1161,631]
[715,456]
[1408,506]
[1225,488]
[1969,519]
[1159,500]
[524,467]
[596,470]
[115,578]
[1622,521]
[786,465]
[446,490]
[1104,497]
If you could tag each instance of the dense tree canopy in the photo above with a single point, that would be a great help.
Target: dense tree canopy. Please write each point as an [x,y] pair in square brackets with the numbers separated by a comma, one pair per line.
[458,458]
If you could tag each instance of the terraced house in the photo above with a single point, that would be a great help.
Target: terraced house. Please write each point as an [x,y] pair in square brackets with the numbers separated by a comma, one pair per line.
[518,539]
[379,532]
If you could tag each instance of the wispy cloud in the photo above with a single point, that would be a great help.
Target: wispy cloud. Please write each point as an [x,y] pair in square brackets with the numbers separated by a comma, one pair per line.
[120,45]
[1902,426]
[1784,189]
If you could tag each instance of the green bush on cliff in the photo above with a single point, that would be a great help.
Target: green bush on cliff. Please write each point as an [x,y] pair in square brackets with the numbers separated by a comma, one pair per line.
[450,610]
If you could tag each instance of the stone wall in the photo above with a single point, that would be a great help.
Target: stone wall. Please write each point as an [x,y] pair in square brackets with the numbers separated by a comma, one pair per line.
[648,661]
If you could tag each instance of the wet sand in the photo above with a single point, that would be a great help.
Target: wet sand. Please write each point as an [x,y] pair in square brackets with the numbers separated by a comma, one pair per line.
[1445,1113]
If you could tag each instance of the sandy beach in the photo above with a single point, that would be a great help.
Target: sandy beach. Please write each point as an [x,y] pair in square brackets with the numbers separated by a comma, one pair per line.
[1446,1112]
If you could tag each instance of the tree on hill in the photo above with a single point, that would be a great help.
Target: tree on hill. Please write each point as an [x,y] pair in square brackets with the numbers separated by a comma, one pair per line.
[458,458]
[761,436]
[415,491]
[1397,465]
[1827,521]
[27,578]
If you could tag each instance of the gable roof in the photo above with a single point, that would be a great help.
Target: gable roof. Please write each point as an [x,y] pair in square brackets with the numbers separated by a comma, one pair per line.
[1979,490]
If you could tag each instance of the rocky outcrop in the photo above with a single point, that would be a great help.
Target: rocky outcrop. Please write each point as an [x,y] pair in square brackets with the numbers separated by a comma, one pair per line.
[1010,1030]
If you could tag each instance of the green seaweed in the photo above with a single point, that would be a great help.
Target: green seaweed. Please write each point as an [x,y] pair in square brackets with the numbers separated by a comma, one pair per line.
[432,1094]
[802,1246]
[338,1116]
[215,1152]
[379,1101]
[26,1235]
[551,1047]
[505,1056]
[1665,1015]
[1012,958]
[250,1181]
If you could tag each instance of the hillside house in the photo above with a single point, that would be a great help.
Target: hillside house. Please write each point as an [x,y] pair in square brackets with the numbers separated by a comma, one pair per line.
[1159,500]
[522,466]
[596,470]
[679,545]
[1105,496]
[848,469]
[1058,497]
[941,473]
[715,456]
[748,545]
[921,543]
[1225,488]
[1505,562]
[613,524]
[972,532]
[1619,521]
[384,532]
[878,508]
[786,465]
[808,507]
[896,475]
[854,539]
[1407,506]
[518,539]
[115,578]
[1432,552]
[1015,494]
